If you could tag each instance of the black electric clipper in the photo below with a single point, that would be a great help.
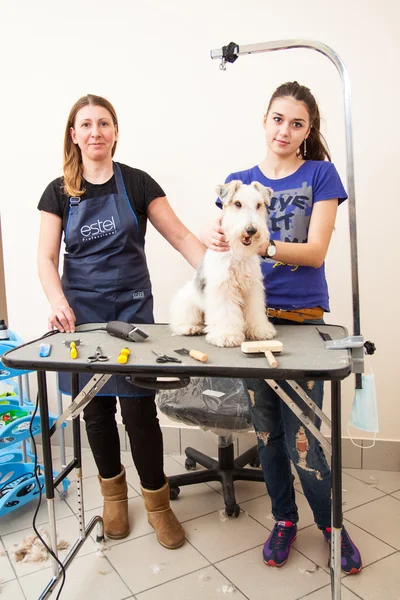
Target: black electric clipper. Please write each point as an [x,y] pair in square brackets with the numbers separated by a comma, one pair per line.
[126,331]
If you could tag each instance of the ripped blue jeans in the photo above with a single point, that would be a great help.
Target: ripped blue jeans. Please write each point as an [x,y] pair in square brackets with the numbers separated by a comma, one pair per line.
[283,438]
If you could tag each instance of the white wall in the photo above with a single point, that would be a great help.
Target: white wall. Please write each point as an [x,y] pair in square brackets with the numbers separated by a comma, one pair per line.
[189,124]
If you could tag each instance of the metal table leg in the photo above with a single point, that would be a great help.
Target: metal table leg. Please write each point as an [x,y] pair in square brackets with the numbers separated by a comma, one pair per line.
[60,410]
[335,449]
[47,463]
[21,403]
[337,510]
[76,436]
[84,532]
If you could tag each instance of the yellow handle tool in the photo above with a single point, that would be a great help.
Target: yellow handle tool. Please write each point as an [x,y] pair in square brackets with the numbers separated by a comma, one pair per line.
[123,356]
[73,351]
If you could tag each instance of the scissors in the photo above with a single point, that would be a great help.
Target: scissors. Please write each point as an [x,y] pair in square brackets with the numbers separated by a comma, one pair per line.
[163,358]
[98,357]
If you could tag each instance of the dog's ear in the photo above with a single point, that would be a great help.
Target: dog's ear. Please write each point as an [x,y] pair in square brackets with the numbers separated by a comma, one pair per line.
[227,190]
[266,192]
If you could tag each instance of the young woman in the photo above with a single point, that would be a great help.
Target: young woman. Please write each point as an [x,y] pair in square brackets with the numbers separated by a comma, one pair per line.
[307,191]
[102,208]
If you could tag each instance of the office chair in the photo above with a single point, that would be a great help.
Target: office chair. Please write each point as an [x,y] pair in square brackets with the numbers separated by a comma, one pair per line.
[220,405]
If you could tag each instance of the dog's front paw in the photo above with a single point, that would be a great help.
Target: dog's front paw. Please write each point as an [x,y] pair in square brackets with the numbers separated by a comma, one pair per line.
[188,330]
[264,332]
[226,340]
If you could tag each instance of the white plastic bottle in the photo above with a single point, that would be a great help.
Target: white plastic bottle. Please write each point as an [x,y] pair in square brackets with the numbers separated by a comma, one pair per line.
[3,330]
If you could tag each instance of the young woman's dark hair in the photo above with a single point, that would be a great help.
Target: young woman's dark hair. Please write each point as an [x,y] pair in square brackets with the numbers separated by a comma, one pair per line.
[317,148]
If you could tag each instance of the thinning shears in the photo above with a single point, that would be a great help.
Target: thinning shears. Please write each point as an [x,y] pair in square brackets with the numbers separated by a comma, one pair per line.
[98,356]
[163,358]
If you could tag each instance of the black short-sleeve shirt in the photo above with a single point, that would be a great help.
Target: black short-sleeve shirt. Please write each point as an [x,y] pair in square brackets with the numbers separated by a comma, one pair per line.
[140,188]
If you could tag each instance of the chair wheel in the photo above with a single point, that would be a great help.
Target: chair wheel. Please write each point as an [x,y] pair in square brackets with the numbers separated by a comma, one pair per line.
[190,464]
[174,493]
[232,511]
[255,463]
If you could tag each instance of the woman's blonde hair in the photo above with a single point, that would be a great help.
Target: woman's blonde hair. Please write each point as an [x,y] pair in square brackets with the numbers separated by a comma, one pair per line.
[72,153]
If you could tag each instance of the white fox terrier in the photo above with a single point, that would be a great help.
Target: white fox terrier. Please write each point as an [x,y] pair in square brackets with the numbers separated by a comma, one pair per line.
[226,298]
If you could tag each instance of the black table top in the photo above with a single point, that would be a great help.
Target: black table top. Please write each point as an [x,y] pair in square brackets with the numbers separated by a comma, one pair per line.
[304,355]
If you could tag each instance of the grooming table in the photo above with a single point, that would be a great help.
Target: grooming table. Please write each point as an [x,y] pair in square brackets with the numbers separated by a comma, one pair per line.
[304,357]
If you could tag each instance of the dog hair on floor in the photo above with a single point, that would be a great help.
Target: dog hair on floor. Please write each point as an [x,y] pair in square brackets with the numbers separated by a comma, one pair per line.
[31,549]
[226,298]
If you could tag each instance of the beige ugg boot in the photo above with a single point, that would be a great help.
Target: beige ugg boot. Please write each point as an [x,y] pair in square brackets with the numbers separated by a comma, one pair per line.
[170,533]
[115,511]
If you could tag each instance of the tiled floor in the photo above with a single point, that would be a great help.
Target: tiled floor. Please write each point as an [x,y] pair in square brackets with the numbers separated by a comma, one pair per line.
[221,557]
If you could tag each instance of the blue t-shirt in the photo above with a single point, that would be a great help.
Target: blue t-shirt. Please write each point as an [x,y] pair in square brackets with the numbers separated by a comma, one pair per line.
[290,286]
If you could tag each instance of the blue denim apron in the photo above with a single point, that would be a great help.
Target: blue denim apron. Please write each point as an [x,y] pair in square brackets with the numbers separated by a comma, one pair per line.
[105,276]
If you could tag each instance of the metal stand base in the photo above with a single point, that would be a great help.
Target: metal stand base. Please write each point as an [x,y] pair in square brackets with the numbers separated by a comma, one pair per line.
[71,554]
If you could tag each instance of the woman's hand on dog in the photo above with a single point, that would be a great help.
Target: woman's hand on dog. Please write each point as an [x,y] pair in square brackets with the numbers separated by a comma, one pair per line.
[213,237]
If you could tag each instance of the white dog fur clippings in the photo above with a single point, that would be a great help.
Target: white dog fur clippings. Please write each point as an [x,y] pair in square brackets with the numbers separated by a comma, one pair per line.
[31,548]
[226,298]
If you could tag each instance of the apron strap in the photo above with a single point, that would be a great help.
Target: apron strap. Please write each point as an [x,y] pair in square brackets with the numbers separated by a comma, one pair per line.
[118,180]
[122,191]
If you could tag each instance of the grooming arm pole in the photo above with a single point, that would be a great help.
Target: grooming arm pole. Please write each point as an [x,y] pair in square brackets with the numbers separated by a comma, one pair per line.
[231,52]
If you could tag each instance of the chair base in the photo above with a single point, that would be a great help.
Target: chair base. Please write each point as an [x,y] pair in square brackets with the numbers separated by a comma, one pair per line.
[226,469]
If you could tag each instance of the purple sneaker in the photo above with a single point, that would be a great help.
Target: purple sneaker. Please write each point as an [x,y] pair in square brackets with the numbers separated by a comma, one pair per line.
[351,559]
[276,548]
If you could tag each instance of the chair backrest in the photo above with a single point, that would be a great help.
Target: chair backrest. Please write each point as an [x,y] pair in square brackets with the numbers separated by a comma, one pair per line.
[209,402]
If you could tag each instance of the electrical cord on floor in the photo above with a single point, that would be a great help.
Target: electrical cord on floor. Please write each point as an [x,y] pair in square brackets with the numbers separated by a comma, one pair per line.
[40,487]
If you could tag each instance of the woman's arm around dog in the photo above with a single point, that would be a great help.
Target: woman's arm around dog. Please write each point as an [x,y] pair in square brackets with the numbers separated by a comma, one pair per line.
[163,218]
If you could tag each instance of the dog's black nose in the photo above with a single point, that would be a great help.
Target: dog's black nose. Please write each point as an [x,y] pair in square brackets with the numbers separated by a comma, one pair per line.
[251,230]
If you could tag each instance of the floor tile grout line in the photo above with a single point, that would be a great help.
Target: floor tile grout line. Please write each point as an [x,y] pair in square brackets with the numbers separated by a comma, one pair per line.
[309,594]
[236,587]
[131,594]
[3,535]
[373,535]
[322,567]
[362,454]
[119,575]
[218,510]
[123,541]
[370,485]
[21,588]
[212,564]
[95,550]
[8,580]
[237,554]
[9,560]
[346,510]
[175,578]
[375,562]
[41,566]
[352,591]
[117,543]
[185,575]
[221,493]
[395,550]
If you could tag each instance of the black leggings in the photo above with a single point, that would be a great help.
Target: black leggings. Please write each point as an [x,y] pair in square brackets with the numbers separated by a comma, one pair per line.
[139,416]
